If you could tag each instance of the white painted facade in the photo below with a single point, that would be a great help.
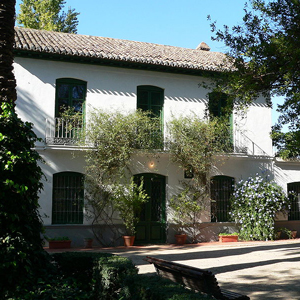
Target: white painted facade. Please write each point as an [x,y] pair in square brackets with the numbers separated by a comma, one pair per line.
[115,88]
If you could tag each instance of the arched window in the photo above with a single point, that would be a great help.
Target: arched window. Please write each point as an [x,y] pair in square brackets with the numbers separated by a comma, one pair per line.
[67,200]
[151,98]
[221,189]
[71,93]
[294,194]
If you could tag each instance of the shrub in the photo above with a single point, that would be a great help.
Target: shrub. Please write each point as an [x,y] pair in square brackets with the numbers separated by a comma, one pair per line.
[145,287]
[54,287]
[254,206]
[83,269]
[22,258]
[110,274]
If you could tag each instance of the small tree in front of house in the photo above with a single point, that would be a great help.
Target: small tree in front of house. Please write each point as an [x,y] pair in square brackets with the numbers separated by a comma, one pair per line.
[128,201]
[193,143]
[255,203]
[114,137]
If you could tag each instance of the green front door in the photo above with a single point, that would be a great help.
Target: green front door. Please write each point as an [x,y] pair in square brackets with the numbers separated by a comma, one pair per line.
[152,225]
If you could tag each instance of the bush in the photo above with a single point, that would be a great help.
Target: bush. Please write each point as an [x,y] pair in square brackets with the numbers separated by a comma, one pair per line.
[254,206]
[110,274]
[54,287]
[145,287]
[78,265]
[22,258]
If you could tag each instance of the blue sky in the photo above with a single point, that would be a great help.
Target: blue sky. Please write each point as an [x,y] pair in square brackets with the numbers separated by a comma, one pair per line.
[181,23]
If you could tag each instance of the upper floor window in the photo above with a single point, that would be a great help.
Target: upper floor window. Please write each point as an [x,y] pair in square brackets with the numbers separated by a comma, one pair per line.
[221,190]
[219,105]
[151,98]
[70,93]
[294,194]
[67,200]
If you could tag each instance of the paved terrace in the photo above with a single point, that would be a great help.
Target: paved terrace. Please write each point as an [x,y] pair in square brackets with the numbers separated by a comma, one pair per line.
[261,270]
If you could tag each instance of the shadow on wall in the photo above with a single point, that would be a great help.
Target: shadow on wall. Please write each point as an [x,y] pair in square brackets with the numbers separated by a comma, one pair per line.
[28,109]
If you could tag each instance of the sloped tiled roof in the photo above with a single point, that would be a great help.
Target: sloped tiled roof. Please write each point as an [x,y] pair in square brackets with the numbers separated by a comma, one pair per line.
[99,49]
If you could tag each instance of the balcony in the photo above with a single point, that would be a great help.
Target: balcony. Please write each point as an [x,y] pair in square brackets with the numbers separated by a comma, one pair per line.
[61,131]
[244,145]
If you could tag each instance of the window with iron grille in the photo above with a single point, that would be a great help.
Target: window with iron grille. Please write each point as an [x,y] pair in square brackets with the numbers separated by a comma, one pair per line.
[294,194]
[68,195]
[221,190]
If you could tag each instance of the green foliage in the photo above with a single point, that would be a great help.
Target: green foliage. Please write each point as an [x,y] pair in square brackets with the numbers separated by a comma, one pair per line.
[228,234]
[116,136]
[264,53]
[285,231]
[93,276]
[185,208]
[54,287]
[21,253]
[193,142]
[128,201]
[255,203]
[286,143]
[113,271]
[145,287]
[47,15]
[83,270]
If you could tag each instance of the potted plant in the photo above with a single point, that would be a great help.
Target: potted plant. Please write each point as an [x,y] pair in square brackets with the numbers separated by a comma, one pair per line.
[184,208]
[88,242]
[59,242]
[228,237]
[128,201]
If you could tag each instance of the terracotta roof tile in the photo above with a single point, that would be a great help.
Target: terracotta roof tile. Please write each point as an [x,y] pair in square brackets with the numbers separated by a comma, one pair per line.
[50,42]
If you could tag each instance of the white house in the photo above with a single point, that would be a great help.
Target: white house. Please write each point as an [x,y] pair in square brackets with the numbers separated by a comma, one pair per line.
[54,68]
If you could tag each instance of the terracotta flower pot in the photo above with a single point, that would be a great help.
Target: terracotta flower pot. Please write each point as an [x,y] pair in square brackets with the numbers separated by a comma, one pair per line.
[294,234]
[128,240]
[88,243]
[180,239]
[59,244]
[228,238]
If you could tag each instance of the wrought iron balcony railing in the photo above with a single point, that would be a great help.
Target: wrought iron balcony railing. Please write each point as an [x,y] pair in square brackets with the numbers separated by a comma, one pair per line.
[60,131]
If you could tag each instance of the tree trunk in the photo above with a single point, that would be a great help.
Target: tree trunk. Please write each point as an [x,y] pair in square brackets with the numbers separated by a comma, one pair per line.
[7,79]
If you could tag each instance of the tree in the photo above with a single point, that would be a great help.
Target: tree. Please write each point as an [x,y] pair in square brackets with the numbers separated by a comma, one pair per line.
[22,258]
[47,15]
[7,79]
[265,57]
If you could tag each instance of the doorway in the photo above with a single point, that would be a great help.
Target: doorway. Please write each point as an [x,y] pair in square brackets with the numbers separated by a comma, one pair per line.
[152,226]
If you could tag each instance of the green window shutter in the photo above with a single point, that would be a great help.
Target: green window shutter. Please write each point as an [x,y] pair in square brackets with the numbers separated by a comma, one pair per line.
[219,106]
[68,198]
[70,93]
[151,98]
